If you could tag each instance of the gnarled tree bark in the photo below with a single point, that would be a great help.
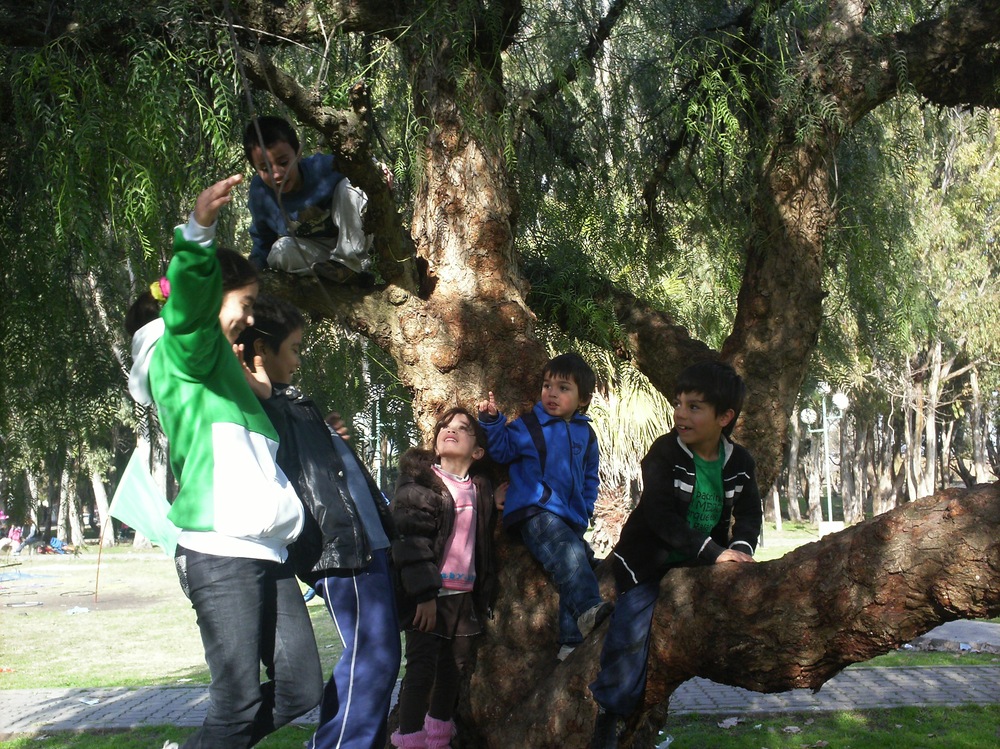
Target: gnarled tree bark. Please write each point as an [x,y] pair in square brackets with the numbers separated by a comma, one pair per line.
[789,623]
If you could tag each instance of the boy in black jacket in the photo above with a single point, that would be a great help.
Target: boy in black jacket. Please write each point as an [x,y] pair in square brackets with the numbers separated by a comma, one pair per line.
[696,485]
[343,549]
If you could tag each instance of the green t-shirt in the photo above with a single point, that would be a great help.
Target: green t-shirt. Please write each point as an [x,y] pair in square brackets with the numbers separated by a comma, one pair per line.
[706,501]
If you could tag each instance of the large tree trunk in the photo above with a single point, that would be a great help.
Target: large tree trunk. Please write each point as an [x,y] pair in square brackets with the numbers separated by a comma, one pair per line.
[977,428]
[781,297]
[794,484]
[850,468]
[790,623]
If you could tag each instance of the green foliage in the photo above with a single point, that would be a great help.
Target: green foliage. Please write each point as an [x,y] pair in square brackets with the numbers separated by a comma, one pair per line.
[102,170]
[350,375]
[641,172]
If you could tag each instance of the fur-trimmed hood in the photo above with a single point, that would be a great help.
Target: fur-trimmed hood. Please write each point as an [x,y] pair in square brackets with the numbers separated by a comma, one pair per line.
[417,465]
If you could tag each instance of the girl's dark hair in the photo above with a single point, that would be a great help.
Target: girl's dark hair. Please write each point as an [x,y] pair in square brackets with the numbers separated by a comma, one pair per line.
[445,419]
[237,271]
[274,319]
[143,311]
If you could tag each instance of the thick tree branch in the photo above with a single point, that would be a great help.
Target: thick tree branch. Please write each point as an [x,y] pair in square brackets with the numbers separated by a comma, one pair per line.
[658,346]
[950,60]
[793,622]
[314,21]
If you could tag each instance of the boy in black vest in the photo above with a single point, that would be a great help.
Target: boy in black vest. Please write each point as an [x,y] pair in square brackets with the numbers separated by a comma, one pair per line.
[343,551]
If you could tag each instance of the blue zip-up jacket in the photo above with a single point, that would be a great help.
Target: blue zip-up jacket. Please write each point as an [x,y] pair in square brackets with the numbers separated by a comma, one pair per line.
[566,486]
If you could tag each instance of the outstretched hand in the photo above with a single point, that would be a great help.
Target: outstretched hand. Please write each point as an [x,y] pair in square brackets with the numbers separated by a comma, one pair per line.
[489,405]
[211,200]
[337,424]
[256,378]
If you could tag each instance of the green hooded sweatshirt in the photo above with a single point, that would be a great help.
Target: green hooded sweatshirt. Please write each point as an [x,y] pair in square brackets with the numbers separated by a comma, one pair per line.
[234,500]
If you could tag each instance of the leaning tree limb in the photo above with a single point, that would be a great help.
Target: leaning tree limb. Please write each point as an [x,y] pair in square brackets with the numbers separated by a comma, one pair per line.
[789,623]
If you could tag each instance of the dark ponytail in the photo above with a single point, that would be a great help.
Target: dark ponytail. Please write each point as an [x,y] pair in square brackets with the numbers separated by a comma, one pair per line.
[237,271]
[143,311]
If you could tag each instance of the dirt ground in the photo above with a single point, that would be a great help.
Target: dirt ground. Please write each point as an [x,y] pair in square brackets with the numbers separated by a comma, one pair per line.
[66,582]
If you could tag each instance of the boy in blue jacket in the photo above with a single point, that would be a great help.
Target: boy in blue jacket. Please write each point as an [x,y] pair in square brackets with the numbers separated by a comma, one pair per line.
[700,505]
[553,462]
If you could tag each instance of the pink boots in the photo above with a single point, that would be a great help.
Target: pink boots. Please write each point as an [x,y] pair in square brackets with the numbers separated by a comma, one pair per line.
[415,740]
[439,732]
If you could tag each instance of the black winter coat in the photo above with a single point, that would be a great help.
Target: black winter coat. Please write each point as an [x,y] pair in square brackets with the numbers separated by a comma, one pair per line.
[423,512]
[333,538]
[658,525]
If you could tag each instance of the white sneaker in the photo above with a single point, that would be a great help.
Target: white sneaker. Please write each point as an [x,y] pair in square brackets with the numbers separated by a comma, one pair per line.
[564,652]
[171,745]
[592,617]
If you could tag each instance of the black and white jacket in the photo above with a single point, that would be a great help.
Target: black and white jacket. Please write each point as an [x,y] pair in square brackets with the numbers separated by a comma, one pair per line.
[658,525]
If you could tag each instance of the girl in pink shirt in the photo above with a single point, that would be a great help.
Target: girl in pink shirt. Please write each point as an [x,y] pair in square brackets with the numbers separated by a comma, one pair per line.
[443,511]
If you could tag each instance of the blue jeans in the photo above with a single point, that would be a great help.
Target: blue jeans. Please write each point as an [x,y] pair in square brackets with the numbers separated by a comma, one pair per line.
[357,697]
[250,611]
[621,681]
[566,557]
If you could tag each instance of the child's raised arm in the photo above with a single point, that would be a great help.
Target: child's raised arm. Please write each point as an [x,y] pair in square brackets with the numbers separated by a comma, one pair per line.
[488,406]
[211,200]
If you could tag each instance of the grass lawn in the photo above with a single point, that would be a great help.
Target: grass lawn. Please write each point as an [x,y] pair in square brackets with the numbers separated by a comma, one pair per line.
[970,727]
[63,626]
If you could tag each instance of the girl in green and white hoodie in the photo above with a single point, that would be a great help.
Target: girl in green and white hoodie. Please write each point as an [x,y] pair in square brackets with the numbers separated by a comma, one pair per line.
[236,510]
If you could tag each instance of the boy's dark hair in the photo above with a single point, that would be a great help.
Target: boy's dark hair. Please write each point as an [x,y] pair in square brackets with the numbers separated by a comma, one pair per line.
[274,319]
[573,367]
[237,271]
[719,385]
[272,130]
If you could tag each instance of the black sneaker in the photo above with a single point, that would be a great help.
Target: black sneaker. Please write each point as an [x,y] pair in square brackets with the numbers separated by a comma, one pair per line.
[606,729]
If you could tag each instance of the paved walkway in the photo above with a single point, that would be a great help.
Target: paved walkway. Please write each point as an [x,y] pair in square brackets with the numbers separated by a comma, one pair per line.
[36,710]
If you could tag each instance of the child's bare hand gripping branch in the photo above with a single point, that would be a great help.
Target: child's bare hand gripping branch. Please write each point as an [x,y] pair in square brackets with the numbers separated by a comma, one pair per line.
[731,555]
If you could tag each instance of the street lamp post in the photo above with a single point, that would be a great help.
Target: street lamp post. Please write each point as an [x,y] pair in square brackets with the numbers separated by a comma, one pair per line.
[809,416]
